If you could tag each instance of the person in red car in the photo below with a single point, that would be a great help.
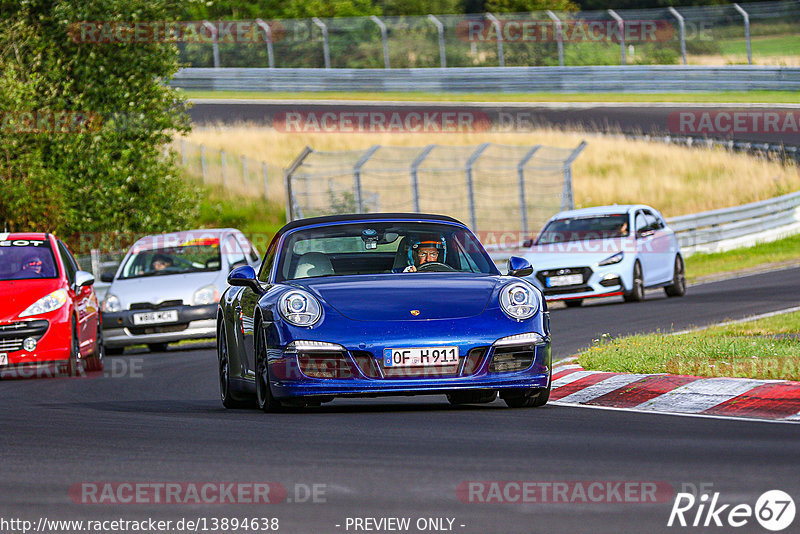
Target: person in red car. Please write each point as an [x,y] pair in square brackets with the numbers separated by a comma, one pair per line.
[49,316]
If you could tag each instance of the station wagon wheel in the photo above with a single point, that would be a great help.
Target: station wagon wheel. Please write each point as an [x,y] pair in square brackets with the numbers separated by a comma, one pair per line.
[678,286]
[264,398]
[636,294]
[225,391]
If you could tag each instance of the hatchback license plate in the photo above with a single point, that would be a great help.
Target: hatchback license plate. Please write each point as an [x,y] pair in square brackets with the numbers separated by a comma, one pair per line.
[420,356]
[168,316]
[564,280]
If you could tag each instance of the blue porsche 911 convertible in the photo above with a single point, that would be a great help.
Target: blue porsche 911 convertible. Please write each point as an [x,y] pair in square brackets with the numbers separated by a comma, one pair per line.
[381,304]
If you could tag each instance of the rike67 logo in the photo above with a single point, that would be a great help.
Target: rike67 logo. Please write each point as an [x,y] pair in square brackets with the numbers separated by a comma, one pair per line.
[774,510]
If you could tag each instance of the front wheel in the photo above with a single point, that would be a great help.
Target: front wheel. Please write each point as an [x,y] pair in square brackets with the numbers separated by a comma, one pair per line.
[678,286]
[636,294]
[95,361]
[528,398]
[224,367]
[75,364]
[264,398]
[157,347]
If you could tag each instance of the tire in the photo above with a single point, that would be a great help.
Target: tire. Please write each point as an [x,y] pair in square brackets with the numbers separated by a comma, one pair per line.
[157,347]
[573,303]
[530,398]
[224,368]
[472,397]
[74,365]
[636,294]
[114,351]
[264,399]
[678,286]
[95,361]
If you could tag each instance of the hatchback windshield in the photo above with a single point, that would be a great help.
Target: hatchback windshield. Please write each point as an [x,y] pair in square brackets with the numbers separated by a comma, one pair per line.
[25,259]
[381,247]
[181,259]
[584,228]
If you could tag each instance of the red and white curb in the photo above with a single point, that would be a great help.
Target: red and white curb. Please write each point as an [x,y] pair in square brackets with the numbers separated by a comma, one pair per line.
[777,400]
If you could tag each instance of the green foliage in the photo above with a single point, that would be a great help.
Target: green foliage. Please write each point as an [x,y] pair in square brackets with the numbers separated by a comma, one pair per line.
[111,175]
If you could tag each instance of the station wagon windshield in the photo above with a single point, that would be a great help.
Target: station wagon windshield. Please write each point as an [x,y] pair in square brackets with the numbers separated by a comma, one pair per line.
[378,247]
[165,261]
[584,228]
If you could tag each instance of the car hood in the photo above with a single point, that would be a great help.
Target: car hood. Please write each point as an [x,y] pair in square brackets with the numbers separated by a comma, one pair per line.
[19,294]
[158,289]
[393,297]
[576,253]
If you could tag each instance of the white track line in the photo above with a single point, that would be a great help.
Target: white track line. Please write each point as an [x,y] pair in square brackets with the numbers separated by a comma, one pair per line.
[608,385]
[572,377]
[700,395]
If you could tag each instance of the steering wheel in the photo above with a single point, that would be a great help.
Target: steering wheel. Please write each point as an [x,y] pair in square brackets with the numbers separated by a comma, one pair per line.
[434,267]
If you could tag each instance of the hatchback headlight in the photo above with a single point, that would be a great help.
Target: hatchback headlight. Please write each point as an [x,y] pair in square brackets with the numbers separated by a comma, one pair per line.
[206,295]
[300,308]
[46,304]
[519,301]
[111,304]
[611,260]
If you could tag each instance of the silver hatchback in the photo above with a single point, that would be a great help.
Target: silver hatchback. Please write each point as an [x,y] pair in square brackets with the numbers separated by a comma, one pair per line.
[167,287]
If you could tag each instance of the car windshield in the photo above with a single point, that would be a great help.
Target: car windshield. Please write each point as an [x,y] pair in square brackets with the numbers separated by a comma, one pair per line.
[380,247]
[26,259]
[584,228]
[190,257]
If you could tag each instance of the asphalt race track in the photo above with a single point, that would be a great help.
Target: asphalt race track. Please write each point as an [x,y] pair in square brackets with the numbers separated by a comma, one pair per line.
[155,418]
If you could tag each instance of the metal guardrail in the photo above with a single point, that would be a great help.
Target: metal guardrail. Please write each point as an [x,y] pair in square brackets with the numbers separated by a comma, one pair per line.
[628,79]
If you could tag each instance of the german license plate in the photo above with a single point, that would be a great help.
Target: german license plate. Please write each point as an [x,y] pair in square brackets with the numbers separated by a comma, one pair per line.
[420,356]
[3,358]
[564,280]
[167,316]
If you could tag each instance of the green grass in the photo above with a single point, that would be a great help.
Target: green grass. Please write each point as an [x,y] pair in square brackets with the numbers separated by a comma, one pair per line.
[779,45]
[767,97]
[783,250]
[745,350]
[257,218]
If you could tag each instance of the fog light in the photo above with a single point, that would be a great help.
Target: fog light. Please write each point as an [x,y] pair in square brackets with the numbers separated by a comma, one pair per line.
[29,344]
[611,279]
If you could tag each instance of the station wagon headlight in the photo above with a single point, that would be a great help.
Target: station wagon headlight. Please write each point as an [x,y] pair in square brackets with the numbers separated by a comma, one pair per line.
[519,301]
[206,295]
[300,308]
[611,260]
[111,304]
[46,304]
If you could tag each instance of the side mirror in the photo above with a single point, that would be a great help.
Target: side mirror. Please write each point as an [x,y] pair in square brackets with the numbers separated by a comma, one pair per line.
[245,276]
[107,276]
[519,267]
[83,279]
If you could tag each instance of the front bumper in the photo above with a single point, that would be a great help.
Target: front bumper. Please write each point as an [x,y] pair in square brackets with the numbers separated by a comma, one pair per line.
[605,281]
[52,333]
[194,322]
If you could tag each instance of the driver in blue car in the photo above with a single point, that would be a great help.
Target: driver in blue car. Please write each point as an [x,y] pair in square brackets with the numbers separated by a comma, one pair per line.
[425,251]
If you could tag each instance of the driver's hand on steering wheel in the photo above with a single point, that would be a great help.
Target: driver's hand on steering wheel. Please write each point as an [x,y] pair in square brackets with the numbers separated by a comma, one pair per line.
[410,269]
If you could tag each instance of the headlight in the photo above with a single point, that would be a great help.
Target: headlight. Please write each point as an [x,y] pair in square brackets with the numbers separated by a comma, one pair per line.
[300,308]
[46,304]
[111,304]
[206,295]
[611,260]
[519,301]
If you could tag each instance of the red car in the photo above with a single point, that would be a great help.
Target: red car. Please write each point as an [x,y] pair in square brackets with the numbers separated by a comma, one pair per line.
[49,314]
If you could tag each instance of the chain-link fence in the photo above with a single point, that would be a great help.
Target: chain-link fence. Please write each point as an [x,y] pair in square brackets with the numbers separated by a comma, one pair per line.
[489,186]
[759,32]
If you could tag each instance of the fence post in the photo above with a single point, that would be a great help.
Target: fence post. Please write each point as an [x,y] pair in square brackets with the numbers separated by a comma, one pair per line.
[414,181]
[268,31]
[621,26]
[357,193]
[95,256]
[440,31]
[223,165]
[266,183]
[559,37]
[746,18]
[244,171]
[567,202]
[326,51]
[287,178]
[183,153]
[501,60]
[523,204]
[203,161]
[682,28]
[214,43]
[384,39]
[470,185]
